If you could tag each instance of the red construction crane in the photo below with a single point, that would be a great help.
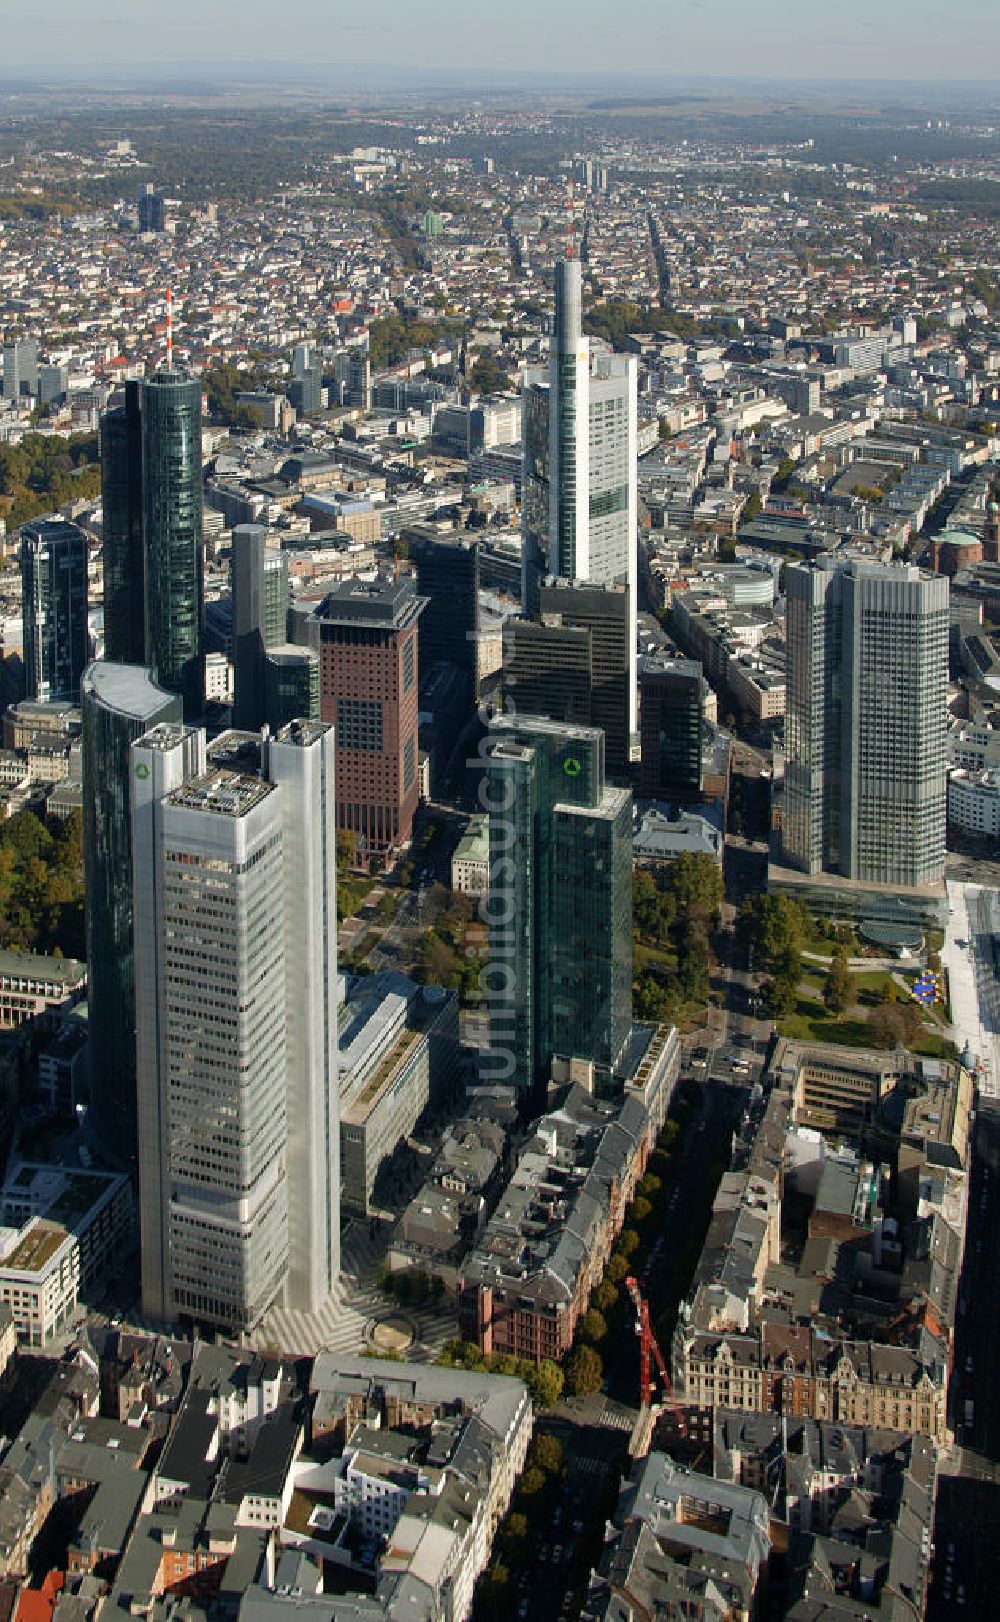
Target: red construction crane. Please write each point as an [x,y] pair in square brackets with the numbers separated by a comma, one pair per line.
[648,1350]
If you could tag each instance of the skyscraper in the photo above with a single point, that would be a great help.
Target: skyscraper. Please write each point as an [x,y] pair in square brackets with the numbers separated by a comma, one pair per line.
[670,727]
[448,578]
[368,689]
[865,729]
[123,551]
[151,210]
[119,702]
[153,558]
[291,685]
[235,928]
[54,606]
[560,902]
[20,368]
[578,664]
[259,586]
[580,504]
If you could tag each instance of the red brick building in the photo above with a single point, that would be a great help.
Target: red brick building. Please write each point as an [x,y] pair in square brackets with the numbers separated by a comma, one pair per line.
[368,689]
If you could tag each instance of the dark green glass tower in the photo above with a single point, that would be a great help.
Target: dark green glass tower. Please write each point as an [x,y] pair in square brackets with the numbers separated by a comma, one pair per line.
[154,566]
[54,605]
[258,576]
[559,903]
[119,703]
[121,500]
[171,526]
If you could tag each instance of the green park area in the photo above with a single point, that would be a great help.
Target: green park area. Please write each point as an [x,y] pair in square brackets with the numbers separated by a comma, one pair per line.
[811,988]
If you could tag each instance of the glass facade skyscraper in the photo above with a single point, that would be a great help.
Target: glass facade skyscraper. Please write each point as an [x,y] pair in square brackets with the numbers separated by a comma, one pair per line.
[670,727]
[54,607]
[560,902]
[121,502]
[153,559]
[118,702]
[865,729]
[171,524]
[258,577]
[291,685]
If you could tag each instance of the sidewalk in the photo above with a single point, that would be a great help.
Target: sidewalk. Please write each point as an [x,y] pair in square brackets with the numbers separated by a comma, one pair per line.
[972,986]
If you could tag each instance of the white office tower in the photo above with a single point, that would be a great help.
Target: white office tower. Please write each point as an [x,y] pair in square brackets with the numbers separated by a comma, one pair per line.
[866,723]
[580,505]
[235,938]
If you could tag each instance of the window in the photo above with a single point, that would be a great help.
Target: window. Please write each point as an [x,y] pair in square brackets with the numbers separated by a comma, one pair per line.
[359,724]
[408,662]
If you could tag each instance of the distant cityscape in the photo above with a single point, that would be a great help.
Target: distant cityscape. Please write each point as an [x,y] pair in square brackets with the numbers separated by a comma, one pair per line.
[499,862]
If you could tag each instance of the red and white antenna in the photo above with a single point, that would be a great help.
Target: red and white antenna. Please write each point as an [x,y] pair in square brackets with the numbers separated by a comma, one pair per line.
[170,329]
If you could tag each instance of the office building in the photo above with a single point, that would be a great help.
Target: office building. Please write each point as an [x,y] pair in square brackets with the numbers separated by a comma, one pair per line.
[119,702]
[399,1055]
[151,210]
[236,995]
[580,425]
[54,606]
[353,376]
[670,727]
[20,368]
[53,384]
[291,685]
[123,552]
[259,588]
[368,689]
[153,558]
[560,903]
[866,723]
[577,663]
[448,578]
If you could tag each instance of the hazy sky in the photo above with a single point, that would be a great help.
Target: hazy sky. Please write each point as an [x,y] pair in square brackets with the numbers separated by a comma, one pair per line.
[840,39]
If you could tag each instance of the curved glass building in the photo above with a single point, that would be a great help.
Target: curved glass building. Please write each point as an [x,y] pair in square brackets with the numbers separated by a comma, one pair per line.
[171,522]
[119,703]
[153,559]
[121,500]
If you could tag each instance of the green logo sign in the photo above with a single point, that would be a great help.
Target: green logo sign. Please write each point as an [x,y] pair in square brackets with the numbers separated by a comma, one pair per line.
[571,766]
[142,770]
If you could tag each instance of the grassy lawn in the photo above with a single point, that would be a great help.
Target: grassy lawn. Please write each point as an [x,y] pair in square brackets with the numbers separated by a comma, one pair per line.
[810,1024]
[645,957]
[872,980]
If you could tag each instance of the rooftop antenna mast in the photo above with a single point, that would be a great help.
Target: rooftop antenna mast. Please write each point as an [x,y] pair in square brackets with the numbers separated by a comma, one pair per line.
[570,221]
[170,329]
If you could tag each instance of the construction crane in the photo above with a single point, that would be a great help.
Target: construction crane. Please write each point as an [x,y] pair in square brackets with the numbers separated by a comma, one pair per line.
[649,1351]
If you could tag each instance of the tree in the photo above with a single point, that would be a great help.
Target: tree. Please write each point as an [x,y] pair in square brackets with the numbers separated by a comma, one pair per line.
[534,1480]
[838,989]
[546,1453]
[545,1383]
[593,1326]
[696,883]
[616,1270]
[605,1296]
[515,1535]
[641,1209]
[584,1372]
[628,1243]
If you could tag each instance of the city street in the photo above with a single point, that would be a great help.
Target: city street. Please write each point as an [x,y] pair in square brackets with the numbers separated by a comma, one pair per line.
[966,1570]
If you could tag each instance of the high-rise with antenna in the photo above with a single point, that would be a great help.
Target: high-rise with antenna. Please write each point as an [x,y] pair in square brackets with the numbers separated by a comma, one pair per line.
[580,506]
[170,329]
[153,563]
